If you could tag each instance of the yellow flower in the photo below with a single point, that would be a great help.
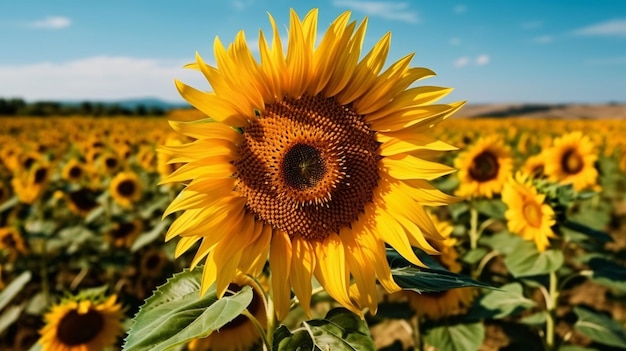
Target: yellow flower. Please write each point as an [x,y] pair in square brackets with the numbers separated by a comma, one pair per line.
[483,167]
[11,243]
[528,215]
[81,325]
[125,189]
[535,165]
[73,170]
[123,234]
[30,183]
[240,334]
[316,158]
[571,161]
[82,201]
[153,261]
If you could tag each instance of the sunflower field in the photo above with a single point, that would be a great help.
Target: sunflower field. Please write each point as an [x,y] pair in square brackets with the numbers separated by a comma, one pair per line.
[330,208]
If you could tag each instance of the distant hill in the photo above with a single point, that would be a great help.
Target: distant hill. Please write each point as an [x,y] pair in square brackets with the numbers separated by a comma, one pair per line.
[564,111]
[133,103]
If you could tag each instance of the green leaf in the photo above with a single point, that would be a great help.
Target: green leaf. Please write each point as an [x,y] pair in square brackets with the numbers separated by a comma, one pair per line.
[525,260]
[176,313]
[10,203]
[94,214]
[492,208]
[340,330]
[9,316]
[588,231]
[458,337]
[14,288]
[600,328]
[536,319]
[608,273]
[473,256]
[147,237]
[507,301]
[433,279]
[504,242]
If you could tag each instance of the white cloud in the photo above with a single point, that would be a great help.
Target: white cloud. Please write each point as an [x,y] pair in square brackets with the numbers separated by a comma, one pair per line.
[460,8]
[455,41]
[532,24]
[462,61]
[242,4]
[482,60]
[543,39]
[388,10]
[615,28]
[98,78]
[51,22]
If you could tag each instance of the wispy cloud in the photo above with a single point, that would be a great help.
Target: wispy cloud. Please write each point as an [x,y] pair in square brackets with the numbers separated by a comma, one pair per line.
[464,61]
[242,4]
[615,28]
[455,41]
[390,10]
[114,78]
[543,39]
[482,60]
[51,22]
[532,25]
[459,9]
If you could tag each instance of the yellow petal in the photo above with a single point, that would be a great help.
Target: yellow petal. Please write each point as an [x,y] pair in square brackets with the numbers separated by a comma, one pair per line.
[302,267]
[409,167]
[228,254]
[280,264]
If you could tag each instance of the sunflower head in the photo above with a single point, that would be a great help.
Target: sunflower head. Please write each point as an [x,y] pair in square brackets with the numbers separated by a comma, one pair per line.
[82,201]
[571,160]
[124,233]
[528,214]
[125,188]
[483,167]
[11,243]
[315,155]
[73,171]
[86,323]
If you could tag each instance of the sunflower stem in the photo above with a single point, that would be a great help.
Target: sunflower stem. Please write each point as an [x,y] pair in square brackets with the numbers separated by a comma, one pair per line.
[417,335]
[551,301]
[473,234]
[267,345]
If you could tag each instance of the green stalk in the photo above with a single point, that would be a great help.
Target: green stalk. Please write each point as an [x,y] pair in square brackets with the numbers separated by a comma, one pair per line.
[267,345]
[551,301]
[473,234]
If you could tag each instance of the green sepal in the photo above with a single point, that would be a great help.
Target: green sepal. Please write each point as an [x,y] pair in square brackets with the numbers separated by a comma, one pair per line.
[176,313]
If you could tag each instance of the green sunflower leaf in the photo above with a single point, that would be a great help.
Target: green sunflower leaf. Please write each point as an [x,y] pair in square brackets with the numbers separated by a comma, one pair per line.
[600,328]
[176,313]
[458,337]
[507,301]
[340,330]
[608,273]
[433,279]
[525,260]
[14,288]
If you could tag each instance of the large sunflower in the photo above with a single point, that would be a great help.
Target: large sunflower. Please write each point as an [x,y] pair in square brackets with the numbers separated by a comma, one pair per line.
[483,167]
[528,215]
[83,324]
[316,158]
[240,334]
[571,161]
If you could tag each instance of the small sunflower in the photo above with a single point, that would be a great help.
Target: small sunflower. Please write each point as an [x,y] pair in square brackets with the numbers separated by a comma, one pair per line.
[29,184]
[73,171]
[152,263]
[316,157]
[124,233]
[109,163]
[81,325]
[438,305]
[535,165]
[483,167]
[571,161]
[240,334]
[125,189]
[12,243]
[528,215]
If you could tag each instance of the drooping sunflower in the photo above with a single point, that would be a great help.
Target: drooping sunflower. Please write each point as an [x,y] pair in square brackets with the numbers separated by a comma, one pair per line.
[528,215]
[125,188]
[124,233]
[438,305]
[316,158]
[240,334]
[82,324]
[11,243]
[82,201]
[483,167]
[571,161]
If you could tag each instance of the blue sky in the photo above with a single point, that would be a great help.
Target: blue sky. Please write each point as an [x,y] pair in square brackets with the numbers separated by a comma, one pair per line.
[505,51]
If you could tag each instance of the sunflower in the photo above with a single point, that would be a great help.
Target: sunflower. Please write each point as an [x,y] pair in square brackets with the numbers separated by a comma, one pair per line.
[146,158]
[571,161]
[73,171]
[123,233]
[125,188]
[483,167]
[152,263]
[240,334]
[108,163]
[29,184]
[82,324]
[11,243]
[438,305]
[316,158]
[82,201]
[528,215]
[535,165]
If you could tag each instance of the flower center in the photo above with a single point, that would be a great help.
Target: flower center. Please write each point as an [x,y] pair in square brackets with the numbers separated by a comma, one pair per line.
[571,162]
[123,229]
[484,167]
[75,172]
[308,166]
[76,329]
[110,163]
[532,213]
[40,175]
[126,188]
